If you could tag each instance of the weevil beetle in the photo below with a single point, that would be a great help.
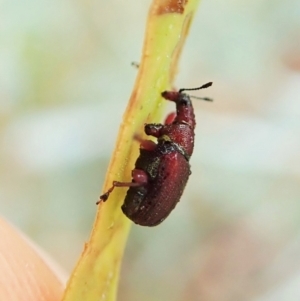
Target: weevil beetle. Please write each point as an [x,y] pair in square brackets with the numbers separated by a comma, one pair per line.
[162,169]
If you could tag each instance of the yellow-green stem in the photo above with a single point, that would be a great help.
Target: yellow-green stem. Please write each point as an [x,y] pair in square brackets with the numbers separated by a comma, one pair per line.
[97,272]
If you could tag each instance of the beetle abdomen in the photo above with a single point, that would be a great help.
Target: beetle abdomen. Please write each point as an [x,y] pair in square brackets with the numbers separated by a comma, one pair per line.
[149,205]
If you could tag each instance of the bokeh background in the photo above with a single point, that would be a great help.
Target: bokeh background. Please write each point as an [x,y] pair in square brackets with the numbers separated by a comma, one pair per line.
[65,79]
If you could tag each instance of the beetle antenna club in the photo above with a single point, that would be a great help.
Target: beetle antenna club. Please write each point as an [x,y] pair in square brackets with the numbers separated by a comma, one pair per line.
[199,88]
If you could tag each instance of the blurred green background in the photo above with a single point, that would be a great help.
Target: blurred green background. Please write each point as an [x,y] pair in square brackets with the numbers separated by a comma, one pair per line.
[65,79]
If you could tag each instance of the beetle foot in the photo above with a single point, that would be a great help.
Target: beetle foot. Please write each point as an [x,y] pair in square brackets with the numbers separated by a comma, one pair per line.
[103,198]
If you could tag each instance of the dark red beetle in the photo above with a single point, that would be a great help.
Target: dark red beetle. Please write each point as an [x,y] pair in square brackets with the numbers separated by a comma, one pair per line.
[161,170]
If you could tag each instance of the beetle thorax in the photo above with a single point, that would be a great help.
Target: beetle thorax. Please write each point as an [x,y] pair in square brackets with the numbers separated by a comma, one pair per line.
[181,134]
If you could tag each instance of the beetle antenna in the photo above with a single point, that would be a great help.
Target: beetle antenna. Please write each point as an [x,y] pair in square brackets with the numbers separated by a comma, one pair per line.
[199,88]
[201,98]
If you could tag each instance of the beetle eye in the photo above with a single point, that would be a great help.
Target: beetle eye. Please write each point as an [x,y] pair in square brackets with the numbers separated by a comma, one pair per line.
[183,102]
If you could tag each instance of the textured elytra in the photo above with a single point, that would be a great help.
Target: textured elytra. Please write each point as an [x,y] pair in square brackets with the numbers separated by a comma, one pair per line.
[168,170]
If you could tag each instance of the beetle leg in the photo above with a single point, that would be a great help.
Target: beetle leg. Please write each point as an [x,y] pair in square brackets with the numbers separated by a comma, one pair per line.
[145,144]
[104,197]
[154,129]
[170,118]
[139,176]
[148,145]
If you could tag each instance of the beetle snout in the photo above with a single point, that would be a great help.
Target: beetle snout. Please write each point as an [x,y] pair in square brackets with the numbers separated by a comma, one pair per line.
[170,95]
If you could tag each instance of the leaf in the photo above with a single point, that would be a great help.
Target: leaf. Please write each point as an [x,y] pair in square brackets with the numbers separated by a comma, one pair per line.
[97,273]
